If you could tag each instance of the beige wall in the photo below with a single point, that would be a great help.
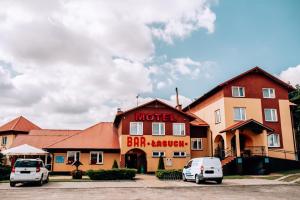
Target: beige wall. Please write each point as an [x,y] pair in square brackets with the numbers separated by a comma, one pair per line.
[10,139]
[85,160]
[208,114]
[287,133]
[152,163]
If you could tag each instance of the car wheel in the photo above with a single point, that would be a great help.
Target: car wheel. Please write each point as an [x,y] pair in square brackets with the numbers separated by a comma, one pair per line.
[183,177]
[40,183]
[47,180]
[219,181]
[12,184]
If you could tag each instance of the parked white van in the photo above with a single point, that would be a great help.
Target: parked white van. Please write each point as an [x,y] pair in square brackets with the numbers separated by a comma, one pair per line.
[29,170]
[202,169]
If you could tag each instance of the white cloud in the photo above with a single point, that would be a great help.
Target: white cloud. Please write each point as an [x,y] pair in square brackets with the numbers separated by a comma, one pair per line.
[291,75]
[71,63]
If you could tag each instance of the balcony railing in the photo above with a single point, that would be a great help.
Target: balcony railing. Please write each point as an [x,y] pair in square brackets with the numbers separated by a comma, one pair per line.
[248,151]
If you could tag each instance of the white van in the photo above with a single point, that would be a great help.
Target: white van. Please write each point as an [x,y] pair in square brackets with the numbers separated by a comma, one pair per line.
[202,169]
[29,170]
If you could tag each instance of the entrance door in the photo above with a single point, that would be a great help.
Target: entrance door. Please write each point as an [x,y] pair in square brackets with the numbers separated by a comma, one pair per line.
[136,159]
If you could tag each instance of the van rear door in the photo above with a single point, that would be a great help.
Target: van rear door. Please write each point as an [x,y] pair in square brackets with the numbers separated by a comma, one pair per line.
[212,168]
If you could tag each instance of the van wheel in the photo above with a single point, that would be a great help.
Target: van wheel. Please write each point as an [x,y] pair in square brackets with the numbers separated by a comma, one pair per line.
[219,181]
[40,183]
[183,177]
[197,179]
[12,184]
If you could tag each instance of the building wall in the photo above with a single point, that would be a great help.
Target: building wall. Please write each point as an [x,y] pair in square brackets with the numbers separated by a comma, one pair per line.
[10,139]
[207,113]
[85,160]
[148,148]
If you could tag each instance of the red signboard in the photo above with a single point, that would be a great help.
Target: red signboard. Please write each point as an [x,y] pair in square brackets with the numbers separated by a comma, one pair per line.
[141,142]
[165,117]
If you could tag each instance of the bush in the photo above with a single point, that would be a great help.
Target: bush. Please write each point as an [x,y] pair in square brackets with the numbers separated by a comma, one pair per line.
[169,174]
[5,172]
[161,164]
[115,165]
[77,174]
[112,174]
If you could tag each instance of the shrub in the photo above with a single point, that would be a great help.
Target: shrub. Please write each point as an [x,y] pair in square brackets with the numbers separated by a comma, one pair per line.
[161,164]
[5,172]
[77,174]
[112,174]
[115,165]
[169,174]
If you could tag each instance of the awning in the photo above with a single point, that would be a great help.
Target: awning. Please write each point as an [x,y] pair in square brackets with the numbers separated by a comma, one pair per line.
[24,149]
[248,124]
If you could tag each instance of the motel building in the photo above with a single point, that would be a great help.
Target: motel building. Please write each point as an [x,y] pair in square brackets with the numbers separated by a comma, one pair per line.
[248,125]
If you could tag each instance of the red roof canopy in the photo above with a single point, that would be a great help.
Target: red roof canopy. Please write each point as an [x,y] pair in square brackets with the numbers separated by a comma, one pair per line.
[19,124]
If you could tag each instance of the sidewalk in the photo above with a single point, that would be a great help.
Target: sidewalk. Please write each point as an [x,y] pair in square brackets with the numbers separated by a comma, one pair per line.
[146,181]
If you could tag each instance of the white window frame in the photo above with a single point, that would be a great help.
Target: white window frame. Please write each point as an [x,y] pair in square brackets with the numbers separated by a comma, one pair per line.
[97,152]
[160,154]
[269,93]
[160,131]
[274,116]
[182,154]
[217,116]
[139,131]
[238,88]
[278,140]
[75,157]
[175,134]
[198,140]
[240,119]
[4,138]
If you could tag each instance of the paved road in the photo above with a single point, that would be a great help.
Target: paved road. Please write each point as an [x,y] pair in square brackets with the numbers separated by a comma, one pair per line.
[219,192]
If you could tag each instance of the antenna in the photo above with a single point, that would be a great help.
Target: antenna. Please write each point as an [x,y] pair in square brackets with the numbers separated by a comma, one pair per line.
[137,100]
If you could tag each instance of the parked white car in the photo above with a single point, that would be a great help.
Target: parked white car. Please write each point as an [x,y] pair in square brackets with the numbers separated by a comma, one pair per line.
[29,170]
[202,169]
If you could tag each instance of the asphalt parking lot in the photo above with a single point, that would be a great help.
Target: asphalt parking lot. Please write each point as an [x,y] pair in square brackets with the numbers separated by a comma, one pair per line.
[214,192]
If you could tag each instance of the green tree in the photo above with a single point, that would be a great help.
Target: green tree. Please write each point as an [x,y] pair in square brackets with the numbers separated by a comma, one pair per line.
[115,165]
[294,97]
[1,159]
[161,164]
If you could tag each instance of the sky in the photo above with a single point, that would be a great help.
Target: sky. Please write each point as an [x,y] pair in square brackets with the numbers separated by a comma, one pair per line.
[70,64]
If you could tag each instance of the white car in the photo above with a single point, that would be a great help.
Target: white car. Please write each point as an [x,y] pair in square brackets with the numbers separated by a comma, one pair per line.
[29,170]
[202,169]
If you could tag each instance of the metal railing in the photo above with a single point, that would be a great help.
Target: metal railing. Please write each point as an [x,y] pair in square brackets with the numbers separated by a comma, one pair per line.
[251,151]
[283,151]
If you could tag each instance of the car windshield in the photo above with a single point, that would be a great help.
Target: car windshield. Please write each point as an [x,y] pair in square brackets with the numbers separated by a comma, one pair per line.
[26,163]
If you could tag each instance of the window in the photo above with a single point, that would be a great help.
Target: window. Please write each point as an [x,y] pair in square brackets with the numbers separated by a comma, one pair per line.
[273,140]
[189,164]
[196,143]
[96,157]
[239,113]
[217,116]
[136,128]
[179,129]
[4,140]
[238,91]
[268,92]
[157,154]
[72,156]
[271,115]
[158,128]
[179,154]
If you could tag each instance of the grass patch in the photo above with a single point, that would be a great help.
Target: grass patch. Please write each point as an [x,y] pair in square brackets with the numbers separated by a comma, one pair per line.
[291,178]
[237,177]
[287,172]
[272,177]
[4,181]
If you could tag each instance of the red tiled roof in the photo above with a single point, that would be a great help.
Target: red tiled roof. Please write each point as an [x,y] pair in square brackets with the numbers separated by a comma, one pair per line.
[220,86]
[198,121]
[100,136]
[244,123]
[42,138]
[19,124]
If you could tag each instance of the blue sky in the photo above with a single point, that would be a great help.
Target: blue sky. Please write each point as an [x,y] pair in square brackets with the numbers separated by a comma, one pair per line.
[262,33]
[70,64]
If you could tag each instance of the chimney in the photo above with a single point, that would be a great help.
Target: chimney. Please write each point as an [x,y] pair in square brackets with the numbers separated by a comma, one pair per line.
[178,106]
[119,111]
